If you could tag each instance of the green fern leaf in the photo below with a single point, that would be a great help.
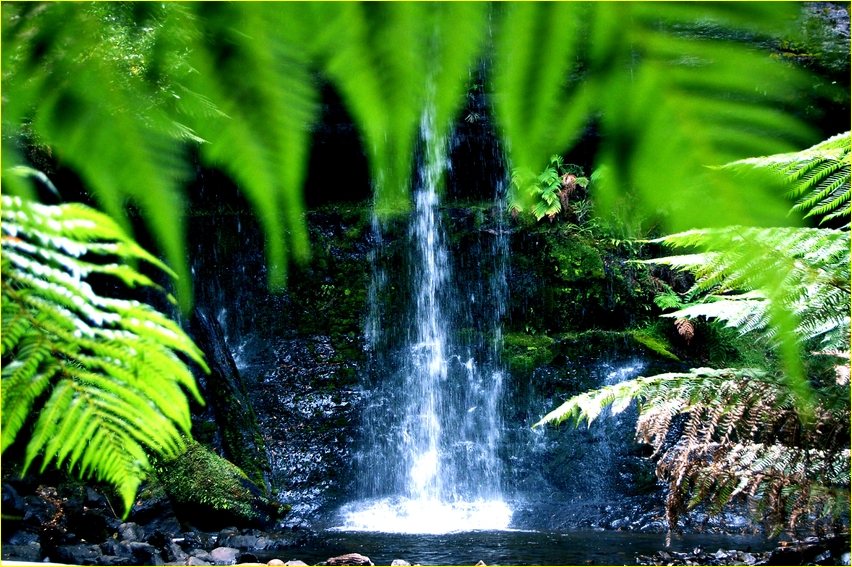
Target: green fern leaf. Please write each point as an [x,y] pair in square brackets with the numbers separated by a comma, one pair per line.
[114,368]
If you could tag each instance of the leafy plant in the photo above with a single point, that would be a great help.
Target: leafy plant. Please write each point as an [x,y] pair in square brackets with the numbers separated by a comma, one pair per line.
[782,441]
[124,94]
[818,177]
[100,379]
[737,433]
[731,280]
[549,191]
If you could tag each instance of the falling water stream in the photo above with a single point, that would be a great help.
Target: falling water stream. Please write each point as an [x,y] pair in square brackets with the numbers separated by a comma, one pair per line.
[429,462]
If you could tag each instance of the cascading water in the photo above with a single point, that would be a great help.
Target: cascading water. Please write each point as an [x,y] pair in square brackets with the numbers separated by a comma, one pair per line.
[430,458]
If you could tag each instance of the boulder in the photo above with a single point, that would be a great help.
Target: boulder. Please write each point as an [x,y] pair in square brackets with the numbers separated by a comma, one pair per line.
[130,531]
[145,553]
[400,562]
[80,554]
[225,555]
[349,559]
[30,552]
[292,562]
[277,563]
[208,491]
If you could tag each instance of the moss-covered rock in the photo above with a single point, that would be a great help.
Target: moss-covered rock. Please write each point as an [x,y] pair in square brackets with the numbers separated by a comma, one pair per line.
[593,343]
[210,492]
[523,353]
[568,279]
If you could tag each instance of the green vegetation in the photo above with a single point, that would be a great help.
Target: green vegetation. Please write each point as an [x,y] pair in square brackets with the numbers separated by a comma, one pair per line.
[524,353]
[100,377]
[549,191]
[205,487]
[818,177]
[127,96]
[781,439]
[124,94]
[741,435]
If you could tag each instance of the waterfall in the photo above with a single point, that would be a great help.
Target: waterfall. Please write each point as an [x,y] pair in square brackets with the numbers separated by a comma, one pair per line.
[430,459]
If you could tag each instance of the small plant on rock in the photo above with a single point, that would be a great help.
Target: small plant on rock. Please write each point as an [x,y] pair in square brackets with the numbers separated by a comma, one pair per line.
[548,193]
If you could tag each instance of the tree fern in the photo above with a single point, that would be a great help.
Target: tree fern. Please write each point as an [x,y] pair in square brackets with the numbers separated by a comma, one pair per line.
[740,436]
[669,103]
[737,266]
[102,380]
[818,177]
[122,94]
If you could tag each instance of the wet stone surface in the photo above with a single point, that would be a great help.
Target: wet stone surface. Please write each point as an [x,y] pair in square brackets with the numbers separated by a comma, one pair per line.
[307,406]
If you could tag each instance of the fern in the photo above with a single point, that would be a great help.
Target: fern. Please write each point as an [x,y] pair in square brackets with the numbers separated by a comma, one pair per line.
[106,373]
[740,436]
[667,101]
[737,276]
[547,193]
[124,94]
[818,177]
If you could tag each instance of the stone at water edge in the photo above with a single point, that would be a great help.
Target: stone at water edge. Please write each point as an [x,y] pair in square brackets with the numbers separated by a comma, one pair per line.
[400,563]
[294,563]
[480,563]
[349,559]
[225,555]
[275,563]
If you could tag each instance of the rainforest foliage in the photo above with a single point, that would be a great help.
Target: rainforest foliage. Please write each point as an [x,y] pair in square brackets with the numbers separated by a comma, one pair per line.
[717,434]
[98,377]
[129,97]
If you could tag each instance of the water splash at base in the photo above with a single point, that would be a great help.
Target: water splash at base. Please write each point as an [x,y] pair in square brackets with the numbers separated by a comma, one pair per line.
[407,516]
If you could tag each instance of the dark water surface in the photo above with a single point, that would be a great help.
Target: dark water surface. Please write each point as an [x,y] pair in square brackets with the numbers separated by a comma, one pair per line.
[513,547]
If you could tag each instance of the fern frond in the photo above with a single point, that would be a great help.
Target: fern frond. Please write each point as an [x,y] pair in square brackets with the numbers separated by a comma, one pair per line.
[114,368]
[818,176]
[738,435]
[744,270]
[679,86]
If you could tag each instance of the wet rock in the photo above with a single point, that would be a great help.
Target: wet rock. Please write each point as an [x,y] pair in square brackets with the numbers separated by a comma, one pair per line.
[226,392]
[21,538]
[480,562]
[197,561]
[202,555]
[276,563]
[349,559]
[145,553]
[247,558]
[240,541]
[225,555]
[294,563]
[401,562]
[115,548]
[12,502]
[654,527]
[30,552]
[735,521]
[117,560]
[130,531]
[80,554]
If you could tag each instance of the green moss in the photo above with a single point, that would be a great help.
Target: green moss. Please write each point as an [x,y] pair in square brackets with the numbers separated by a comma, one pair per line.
[523,353]
[655,344]
[575,259]
[200,483]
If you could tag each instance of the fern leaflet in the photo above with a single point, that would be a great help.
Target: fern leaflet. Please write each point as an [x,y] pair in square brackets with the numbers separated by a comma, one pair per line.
[112,369]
